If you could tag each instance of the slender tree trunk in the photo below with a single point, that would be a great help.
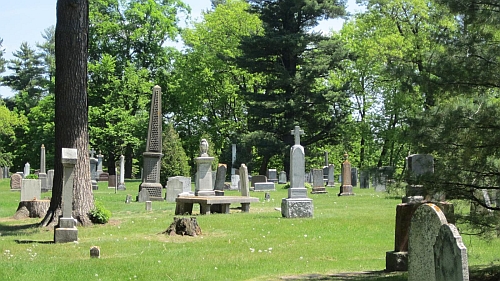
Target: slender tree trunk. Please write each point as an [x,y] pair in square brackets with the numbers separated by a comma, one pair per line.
[71,118]
[112,163]
[129,154]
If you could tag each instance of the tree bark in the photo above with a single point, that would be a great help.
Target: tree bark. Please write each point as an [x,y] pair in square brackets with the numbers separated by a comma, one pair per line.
[32,209]
[71,110]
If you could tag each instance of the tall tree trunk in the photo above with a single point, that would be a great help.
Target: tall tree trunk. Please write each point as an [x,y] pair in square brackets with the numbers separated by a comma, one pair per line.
[71,118]
[129,154]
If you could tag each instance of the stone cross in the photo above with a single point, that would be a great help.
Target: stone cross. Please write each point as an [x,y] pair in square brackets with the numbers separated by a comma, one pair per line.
[92,151]
[297,132]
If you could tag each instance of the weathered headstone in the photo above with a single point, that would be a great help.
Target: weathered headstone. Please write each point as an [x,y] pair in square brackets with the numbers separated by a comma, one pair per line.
[95,252]
[450,255]
[345,186]
[149,206]
[143,196]
[31,190]
[364,179]
[235,182]
[397,260]
[419,166]
[99,165]
[381,177]
[93,170]
[177,186]
[5,171]
[152,155]
[258,178]
[104,177]
[244,182]
[121,184]
[272,175]
[424,228]
[297,205]
[318,183]
[331,175]
[354,176]
[26,170]
[112,181]
[66,230]
[42,175]
[282,177]
[128,199]
[220,177]
[50,179]
[16,182]
[204,184]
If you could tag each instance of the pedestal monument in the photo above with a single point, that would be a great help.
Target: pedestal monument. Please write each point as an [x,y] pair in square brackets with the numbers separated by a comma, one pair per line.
[204,172]
[345,186]
[152,155]
[121,183]
[42,175]
[66,230]
[297,205]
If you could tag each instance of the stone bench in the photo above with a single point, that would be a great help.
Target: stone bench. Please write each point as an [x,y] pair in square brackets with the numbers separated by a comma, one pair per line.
[214,204]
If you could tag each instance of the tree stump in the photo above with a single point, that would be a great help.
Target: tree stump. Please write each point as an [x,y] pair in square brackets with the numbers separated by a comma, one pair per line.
[183,226]
[32,209]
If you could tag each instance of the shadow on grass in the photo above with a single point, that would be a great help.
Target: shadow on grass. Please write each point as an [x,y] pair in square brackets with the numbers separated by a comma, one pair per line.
[485,273]
[354,276]
[19,229]
[33,242]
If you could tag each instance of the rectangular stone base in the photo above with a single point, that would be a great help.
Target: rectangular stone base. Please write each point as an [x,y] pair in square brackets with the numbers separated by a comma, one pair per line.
[204,193]
[297,208]
[346,190]
[318,190]
[264,186]
[65,235]
[396,261]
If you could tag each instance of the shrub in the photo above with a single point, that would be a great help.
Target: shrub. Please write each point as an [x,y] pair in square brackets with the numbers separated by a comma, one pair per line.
[306,185]
[99,214]
[31,177]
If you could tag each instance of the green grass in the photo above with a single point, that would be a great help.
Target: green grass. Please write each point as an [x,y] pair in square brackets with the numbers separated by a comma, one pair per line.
[347,234]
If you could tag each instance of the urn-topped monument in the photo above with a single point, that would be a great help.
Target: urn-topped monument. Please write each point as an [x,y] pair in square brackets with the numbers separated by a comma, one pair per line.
[152,155]
[204,171]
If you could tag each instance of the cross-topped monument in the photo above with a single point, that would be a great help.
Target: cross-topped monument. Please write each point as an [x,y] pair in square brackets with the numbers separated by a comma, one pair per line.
[296,132]
[297,205]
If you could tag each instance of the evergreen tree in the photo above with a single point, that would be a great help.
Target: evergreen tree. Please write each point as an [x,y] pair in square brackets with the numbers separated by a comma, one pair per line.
[174,161]
[295,63]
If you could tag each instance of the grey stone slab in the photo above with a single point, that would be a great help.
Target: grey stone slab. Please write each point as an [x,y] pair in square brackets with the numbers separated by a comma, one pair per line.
[235,181]
[50,179]
[143,195]
[317,176]
[220,177]
[16,181]
[424,228]
[174,187]
[364,179]
[264,186]
[244,182]
[31,190]
[331,175]
[282,177]
[450,255]
[258,178]
[354,176]
[272,175]
[297,208]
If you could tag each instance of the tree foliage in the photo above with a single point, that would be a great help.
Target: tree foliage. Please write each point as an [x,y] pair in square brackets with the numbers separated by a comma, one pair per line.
[174,161]
[294,63]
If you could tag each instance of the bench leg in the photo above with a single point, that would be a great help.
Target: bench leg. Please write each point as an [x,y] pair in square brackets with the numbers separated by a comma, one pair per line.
[183,208]
[205,209]
[245,207]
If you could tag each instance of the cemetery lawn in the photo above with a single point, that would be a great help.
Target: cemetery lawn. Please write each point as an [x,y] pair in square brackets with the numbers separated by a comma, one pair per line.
[347,238]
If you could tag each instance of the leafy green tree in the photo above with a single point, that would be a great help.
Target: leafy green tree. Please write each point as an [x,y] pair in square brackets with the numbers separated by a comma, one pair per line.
[9,120]
[127,56]
[204,92]
[174,161]
[295,63]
